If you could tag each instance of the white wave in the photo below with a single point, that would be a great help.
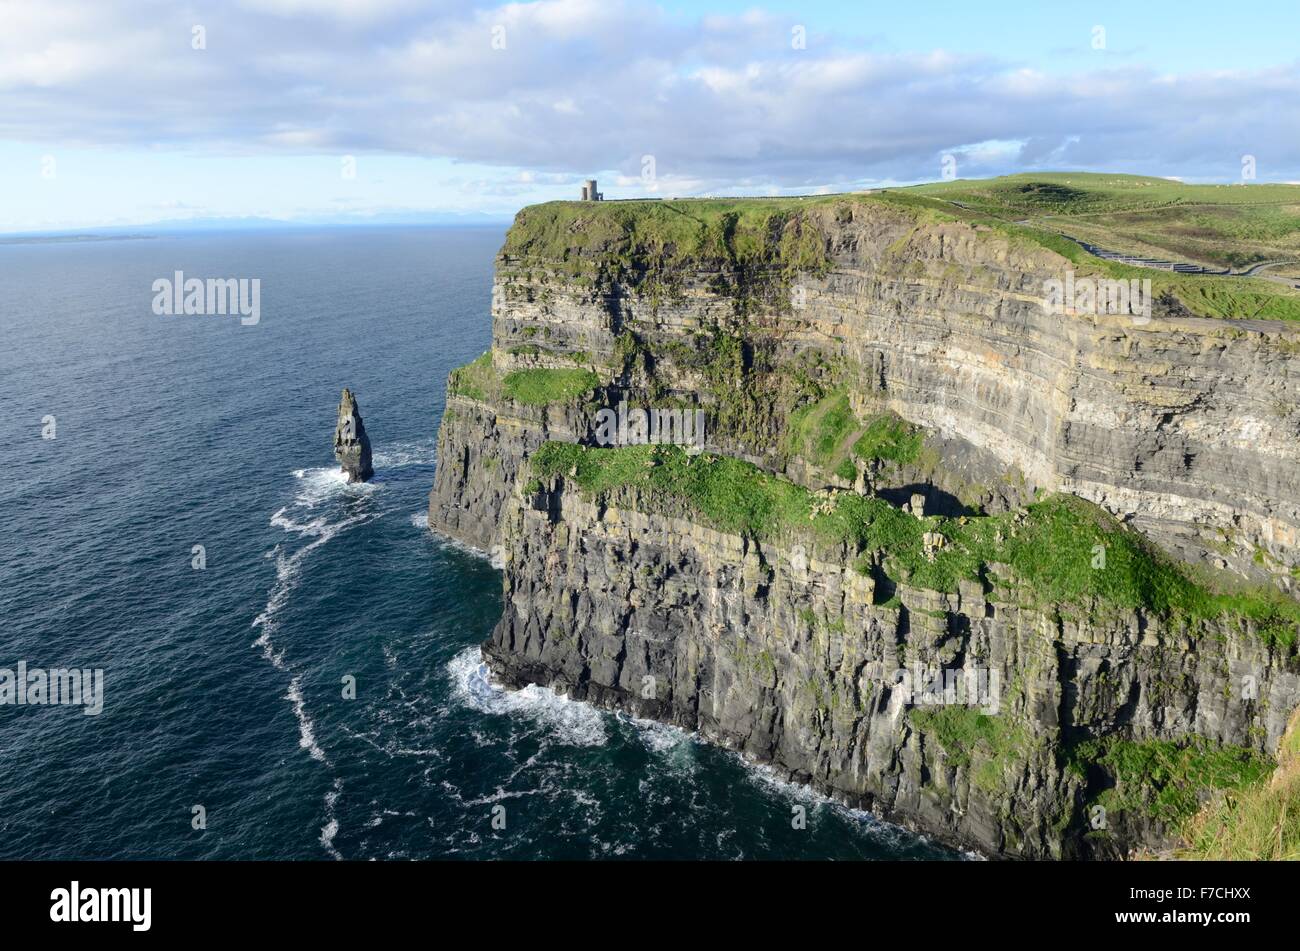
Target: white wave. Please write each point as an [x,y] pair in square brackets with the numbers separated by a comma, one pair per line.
[306,728]
[406,454]
[315,529]
[764,775]
[420,519]
[331,827]
[660,737]
[288,566]
[896,837]
[569,721]
[446,541]
[322,483]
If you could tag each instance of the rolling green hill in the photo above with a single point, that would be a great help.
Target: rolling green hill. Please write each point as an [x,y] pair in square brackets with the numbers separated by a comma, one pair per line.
[1234,226]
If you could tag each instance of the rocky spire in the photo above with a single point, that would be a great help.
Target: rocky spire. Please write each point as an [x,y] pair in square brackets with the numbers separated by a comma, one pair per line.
[351,444]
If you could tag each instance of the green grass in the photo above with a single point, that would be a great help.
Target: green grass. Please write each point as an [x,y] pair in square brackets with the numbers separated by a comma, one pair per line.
[542,386]
[1216,225]
[480,380]
[760,244]
[1260,822]
[1052,546]
[732,495]
[477,379]
[889,438]
[818,431]
[756,245]
[965,731]
[1072,194]
[1164,779]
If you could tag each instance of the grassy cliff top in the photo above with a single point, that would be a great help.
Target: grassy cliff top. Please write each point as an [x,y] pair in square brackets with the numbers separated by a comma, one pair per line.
[658,234]
[1085,193]
[1218,226]
[1063,549]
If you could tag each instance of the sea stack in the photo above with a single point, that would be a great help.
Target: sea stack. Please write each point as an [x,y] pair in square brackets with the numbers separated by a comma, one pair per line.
[351,444]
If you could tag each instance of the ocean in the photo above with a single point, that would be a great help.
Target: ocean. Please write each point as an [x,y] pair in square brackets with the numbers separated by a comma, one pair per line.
[227,729]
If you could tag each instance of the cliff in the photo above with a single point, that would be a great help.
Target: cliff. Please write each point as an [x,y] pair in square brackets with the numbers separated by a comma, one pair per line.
[909,466]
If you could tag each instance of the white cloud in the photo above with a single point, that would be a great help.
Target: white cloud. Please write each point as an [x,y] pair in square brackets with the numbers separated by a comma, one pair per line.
[584,85]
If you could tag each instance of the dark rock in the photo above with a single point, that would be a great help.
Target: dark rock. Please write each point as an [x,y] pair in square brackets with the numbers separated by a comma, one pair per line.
[1185,426]
[351,444]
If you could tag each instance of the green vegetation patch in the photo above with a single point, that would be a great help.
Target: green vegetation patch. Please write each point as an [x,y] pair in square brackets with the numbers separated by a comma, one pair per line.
[823,432]
[742,231]
[818,431]
[756,246]
[542,386]
[732,495]
[964,732]
[889,438]
[1064,549]
[1090,193]
[1218,225]
[477,379]
[1260,822]
[1165,779]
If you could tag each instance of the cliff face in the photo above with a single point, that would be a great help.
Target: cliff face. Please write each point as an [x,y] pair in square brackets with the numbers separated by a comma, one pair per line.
[789,649]
[790,656]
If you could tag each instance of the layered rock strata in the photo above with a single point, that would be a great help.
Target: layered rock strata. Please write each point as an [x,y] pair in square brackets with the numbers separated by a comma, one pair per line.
[1186,428]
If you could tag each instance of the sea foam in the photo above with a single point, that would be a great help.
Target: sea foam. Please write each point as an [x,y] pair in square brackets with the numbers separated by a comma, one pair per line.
[568,721]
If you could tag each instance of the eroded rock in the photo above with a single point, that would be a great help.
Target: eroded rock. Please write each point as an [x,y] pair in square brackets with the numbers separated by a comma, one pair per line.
[351,444]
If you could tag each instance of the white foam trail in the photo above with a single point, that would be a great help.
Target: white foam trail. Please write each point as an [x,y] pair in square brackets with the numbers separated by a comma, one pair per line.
[316,486]
[324,483]
[446,541]
[321,529]
[897,837]
[420,520]
[288,566]
[331,827]
[568,721]
[406,454]
[306,728]
[660,737]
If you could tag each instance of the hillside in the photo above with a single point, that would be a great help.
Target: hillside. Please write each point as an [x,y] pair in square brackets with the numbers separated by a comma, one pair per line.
[1219,226]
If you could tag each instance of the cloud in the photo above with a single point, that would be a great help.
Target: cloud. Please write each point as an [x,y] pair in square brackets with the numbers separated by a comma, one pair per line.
[568,87]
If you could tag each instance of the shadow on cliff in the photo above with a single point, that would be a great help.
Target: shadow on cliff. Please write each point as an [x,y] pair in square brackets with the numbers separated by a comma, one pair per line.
[937,501]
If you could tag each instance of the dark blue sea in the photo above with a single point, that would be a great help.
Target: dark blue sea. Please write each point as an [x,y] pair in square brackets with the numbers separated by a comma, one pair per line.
[224,685]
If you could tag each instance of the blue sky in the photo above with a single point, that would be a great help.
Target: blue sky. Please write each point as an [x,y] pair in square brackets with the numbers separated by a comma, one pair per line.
[1165,35]
[399,110]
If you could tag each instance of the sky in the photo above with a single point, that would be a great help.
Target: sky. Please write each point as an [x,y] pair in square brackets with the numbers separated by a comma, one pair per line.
[116,113]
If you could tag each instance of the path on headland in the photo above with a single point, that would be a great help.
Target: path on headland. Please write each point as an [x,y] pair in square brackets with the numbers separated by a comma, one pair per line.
[1185,267]
[1179,267]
